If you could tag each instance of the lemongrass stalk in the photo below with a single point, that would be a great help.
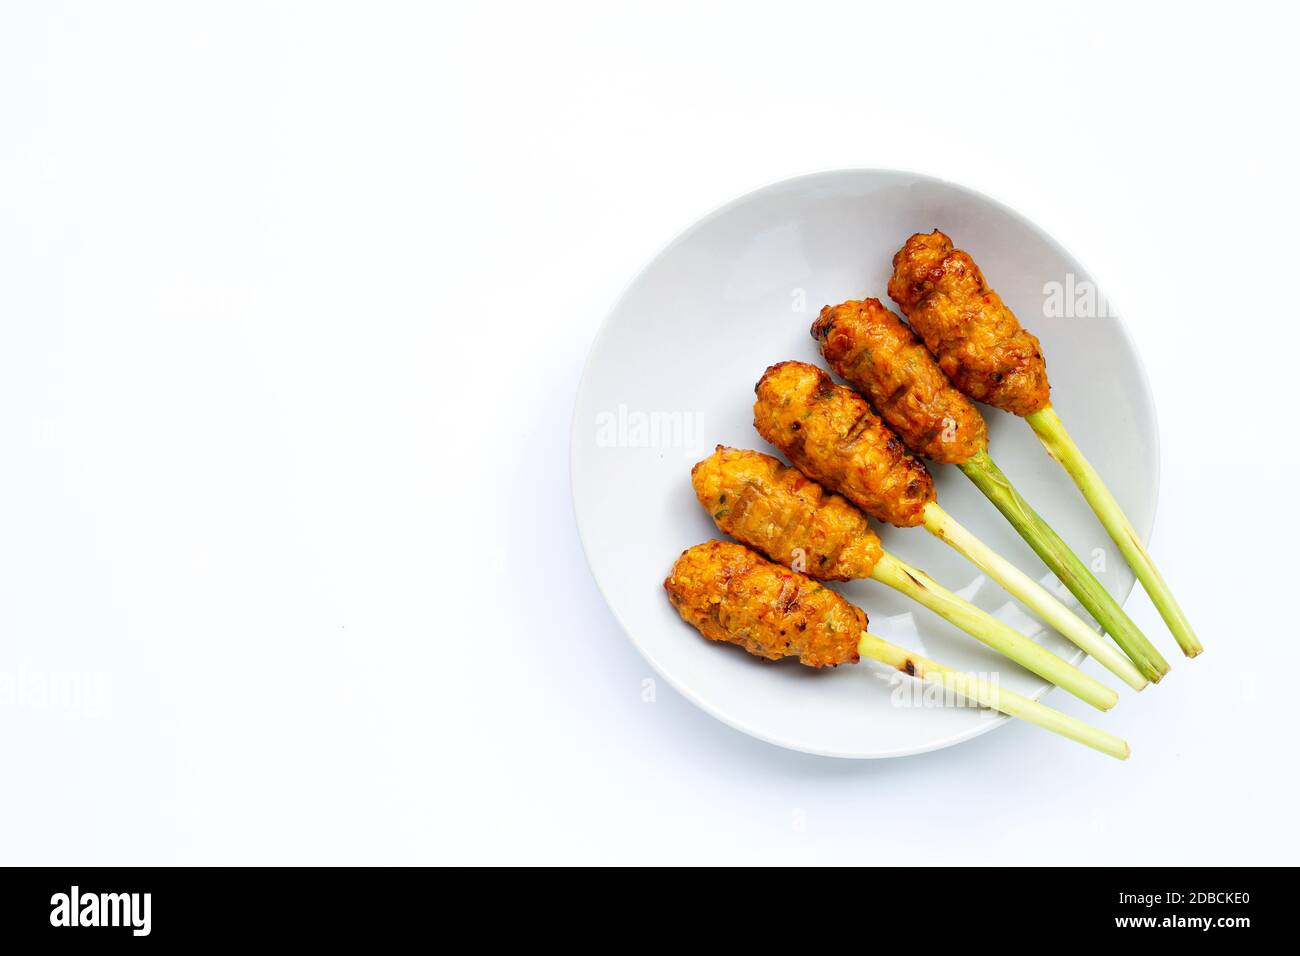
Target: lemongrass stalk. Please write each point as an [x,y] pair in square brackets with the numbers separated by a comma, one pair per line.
[1064,563]
[923,588]
[1020,585]
[987,629]
[990,695]
[1051,432]
[1060,619]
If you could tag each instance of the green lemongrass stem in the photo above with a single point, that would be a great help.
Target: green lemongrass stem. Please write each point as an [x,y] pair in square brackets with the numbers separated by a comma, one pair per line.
[1020,585]
[1051,432]
[1047,608]
[990,695]
[1064,563]
[987,629]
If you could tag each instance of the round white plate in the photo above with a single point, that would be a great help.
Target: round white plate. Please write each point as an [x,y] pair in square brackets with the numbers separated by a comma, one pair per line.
[672,373]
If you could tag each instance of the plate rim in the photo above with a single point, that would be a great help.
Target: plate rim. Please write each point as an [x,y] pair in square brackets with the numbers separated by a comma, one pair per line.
[713,710]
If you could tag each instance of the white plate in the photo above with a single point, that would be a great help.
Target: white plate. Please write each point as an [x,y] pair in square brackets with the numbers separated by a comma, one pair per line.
[672,373]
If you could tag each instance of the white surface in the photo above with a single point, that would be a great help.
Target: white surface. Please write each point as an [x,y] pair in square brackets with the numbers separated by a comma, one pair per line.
[294,306]
[672,374]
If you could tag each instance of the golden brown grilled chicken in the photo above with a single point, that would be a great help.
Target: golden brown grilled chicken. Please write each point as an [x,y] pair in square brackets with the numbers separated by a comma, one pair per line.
[729,593]
[975,337]
[831,434]
[774,509]
[875,352]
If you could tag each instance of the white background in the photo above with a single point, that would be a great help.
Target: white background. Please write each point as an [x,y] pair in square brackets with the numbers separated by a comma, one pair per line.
[294,304]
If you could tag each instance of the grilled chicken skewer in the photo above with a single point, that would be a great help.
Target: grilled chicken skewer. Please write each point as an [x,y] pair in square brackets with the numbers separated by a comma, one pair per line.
[777,511]
[830,433]
[729,593]
[990,358]
[875,352]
